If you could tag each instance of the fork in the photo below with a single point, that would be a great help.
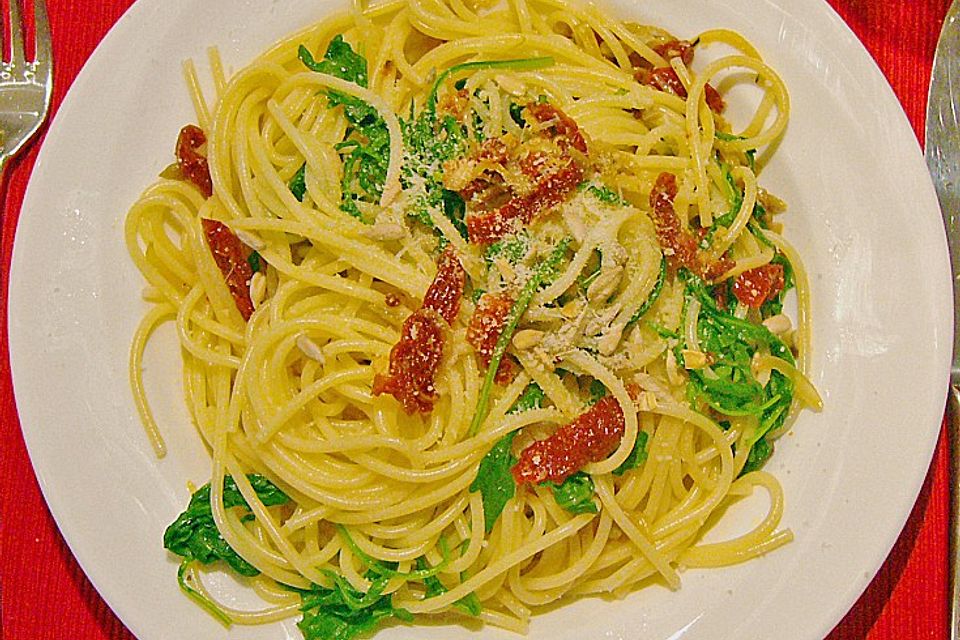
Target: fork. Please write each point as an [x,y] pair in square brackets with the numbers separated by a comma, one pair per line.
[26,84]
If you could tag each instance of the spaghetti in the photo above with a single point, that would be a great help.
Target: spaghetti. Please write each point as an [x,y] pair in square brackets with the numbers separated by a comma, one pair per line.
[480,309]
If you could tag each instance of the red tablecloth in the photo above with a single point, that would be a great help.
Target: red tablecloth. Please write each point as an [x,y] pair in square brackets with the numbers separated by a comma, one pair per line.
[45,596]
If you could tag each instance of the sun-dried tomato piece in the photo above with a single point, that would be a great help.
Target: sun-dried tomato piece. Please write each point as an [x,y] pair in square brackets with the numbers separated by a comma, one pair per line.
[563,127]
[414,361]
[682,49]
[486,325]
[714,100]
[489,226]
[446,290]
[193,165]
[756,286]
[715,269]
[679,245]
[231,256]
[666,79]
[593,436]
[494,150]
[415,358]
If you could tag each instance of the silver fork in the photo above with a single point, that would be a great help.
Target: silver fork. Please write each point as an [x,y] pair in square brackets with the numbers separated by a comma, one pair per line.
[26,82]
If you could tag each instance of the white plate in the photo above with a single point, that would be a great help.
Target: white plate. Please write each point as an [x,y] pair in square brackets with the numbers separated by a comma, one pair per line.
[863,213]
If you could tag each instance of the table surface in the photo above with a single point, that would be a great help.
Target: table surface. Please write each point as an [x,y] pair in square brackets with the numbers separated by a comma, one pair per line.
[45,596]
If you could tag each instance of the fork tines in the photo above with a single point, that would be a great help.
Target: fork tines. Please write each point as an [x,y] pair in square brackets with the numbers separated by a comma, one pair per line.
[15,28]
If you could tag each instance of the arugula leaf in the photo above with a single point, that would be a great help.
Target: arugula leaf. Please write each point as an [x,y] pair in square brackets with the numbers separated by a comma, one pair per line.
[545,271]
[298,183]
[343,613]
[575,494]
[751,154]
[758,456]
[340,60]
[637,456]
[516,114]
[366,148]
[428,143]
[494,480]
[597,391]
[732,389]
[469,603]
[255,261]
[455,209]
[606,195]
[661,330]
[194,534]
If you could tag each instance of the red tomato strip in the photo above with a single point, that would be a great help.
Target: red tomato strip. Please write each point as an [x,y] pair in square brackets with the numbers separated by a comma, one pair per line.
[679,245]
[756,286]
[489,226]
[446,290]
[554,177]
[486,325]
[683,49]
[231,256]
[666,79]
[192,164]
[415,359]
[590,438]
[563,128]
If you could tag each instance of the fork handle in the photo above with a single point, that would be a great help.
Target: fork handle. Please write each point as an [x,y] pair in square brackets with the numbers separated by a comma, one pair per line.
[953,440]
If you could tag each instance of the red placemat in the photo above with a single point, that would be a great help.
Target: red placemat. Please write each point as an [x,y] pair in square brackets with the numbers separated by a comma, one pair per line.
[45,595]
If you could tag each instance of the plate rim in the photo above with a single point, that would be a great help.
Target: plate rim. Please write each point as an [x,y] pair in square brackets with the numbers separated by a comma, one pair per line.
[18,350]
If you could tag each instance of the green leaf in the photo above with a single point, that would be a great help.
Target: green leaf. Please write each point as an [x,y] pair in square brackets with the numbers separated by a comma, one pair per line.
[597,391]
[575,494]
[606,195]
[732,389]
[455,209]
[365,151]
[758,456]
[494,480]
[637,456]
[388,569]
[428,143]
[343,613]
[194,534]
[516,114]
[298,183]
[205,603]
[255,261]
[340,60]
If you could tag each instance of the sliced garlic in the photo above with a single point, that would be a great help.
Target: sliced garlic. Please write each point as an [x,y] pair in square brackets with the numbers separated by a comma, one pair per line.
[310,348]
